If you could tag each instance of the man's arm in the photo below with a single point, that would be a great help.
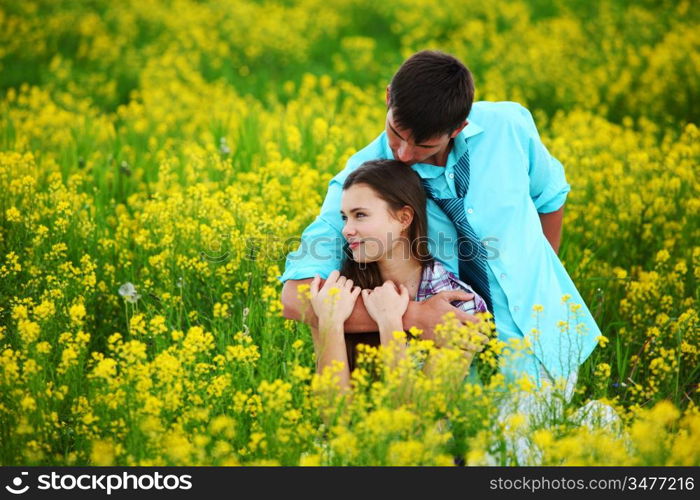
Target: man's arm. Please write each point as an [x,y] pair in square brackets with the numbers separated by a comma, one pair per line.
[551,227]
[548,186]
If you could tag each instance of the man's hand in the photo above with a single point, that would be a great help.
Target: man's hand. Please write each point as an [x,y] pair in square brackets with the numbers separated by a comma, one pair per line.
[428,313]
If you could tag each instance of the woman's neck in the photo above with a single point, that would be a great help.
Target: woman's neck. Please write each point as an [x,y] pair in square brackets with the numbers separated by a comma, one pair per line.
[399,270]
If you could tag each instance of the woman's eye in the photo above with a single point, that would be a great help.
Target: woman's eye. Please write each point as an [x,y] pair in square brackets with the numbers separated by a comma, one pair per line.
[359,214]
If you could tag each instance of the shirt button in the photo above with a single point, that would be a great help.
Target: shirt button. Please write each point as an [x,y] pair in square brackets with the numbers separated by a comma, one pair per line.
[470,210]
[451,176]
[516,308]
[503,276]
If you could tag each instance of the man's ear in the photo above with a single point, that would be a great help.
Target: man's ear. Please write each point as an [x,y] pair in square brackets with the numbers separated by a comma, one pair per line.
[388,99]
[459,129]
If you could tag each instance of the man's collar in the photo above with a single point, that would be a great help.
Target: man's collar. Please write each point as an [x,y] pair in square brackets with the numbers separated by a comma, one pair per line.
[471,129]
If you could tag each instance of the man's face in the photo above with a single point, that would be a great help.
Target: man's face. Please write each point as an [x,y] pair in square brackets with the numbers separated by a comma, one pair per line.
[433,151]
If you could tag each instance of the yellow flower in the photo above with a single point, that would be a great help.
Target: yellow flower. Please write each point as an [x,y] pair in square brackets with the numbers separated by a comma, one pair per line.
[106,368]
[415,331]
[399,335]
[602,340]
[221,310]
[44,310]
[662,256]
[20,311]
[304,291]
[404,453]
[28,403]
[526,384]
[137,324]
[620,273]
[177,447]
[515,422]
[28,331]
[307,460]
[103,453]
[43,347]
[77,313]
[157,325]
[602,371]
[13,215]
[543,438]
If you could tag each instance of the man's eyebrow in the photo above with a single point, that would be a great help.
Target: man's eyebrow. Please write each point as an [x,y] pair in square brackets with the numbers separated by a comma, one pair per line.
[394,131]
[417,145]
[354,210]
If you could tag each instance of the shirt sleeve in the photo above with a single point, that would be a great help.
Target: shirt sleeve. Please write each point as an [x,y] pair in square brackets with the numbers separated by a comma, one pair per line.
[548,186]
[321,248]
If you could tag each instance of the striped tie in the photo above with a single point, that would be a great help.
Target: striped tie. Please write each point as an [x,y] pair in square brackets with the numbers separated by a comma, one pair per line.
[471,253]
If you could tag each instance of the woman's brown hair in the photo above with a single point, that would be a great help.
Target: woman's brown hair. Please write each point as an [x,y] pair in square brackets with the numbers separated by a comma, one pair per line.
[398,185]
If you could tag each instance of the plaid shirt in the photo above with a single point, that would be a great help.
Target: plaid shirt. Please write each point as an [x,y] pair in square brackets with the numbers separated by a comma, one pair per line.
[438,279]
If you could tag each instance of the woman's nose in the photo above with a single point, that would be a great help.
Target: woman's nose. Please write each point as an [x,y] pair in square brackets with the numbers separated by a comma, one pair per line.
[348,230]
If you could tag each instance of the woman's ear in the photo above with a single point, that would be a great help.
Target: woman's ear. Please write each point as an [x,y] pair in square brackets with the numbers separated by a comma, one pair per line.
[406,216]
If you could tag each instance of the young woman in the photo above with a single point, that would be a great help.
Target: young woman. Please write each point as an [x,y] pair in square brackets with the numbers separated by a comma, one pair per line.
[387,261]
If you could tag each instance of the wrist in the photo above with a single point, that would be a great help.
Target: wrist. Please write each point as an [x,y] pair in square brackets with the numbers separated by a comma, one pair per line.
[327,326]
[388,327]
[411,316]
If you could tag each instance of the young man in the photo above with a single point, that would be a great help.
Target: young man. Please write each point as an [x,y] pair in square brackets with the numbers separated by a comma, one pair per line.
[495,215]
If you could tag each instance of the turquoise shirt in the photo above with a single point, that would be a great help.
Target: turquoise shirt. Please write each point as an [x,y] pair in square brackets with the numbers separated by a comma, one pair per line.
[512,179]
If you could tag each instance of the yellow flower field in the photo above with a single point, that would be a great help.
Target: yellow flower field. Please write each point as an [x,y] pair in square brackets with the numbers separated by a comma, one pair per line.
[159,158]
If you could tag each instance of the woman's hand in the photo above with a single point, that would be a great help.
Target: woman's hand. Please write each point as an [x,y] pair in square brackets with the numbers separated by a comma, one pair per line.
[386,306]
[335,300]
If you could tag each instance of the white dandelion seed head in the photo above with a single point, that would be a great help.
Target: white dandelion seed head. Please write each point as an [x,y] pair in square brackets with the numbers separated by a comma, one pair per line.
[129,293]
[223,146]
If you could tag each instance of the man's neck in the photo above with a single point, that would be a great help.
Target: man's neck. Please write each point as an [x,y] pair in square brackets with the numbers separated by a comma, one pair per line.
[442,161]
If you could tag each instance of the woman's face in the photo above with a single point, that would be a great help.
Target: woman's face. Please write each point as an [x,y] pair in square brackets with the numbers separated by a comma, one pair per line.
[370,229]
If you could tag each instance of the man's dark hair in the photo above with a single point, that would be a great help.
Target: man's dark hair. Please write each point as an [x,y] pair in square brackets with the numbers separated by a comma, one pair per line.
[431,94]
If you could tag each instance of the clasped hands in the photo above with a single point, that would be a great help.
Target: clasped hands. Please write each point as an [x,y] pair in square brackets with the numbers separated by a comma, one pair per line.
[334,302]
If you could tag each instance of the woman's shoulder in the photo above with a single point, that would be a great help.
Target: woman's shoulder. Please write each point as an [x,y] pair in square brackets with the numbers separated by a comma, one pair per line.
[438,272]
[437,278]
